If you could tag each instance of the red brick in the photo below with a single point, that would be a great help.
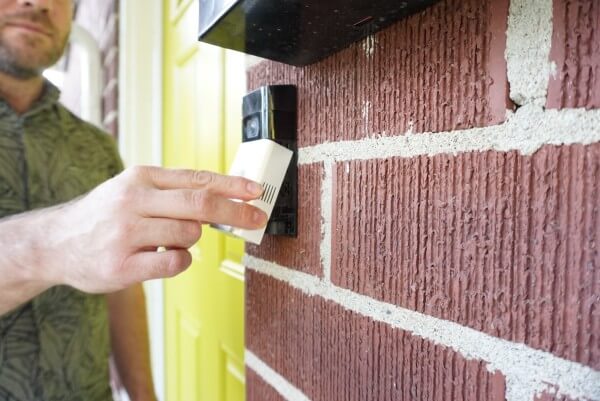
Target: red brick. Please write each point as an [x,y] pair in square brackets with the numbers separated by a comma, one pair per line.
[501,242]
[111,71]
[110,102]
[576,52]
[301,253]
[259,390]
[333,354]
[439,70]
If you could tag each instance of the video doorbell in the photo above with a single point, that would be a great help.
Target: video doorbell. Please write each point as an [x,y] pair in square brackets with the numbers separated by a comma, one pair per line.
[268,155]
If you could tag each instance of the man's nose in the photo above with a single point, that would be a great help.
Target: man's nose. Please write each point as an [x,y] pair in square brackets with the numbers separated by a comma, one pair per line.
[42,5]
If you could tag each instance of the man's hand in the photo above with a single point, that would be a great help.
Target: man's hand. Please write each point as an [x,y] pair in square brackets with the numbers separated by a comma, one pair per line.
[107,240]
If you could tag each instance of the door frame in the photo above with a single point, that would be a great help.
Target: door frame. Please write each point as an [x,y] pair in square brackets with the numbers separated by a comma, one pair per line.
[140,134]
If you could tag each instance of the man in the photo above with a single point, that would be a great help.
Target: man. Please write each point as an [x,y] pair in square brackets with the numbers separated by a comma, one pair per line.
[54,335]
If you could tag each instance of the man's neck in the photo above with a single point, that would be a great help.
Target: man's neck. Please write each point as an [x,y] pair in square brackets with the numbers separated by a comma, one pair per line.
[18,93]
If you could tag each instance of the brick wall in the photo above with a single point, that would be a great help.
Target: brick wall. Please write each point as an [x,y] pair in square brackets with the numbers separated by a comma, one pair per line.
[449,236]
[100,18]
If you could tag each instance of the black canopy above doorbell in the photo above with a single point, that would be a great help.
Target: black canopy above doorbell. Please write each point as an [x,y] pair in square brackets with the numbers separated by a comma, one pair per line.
[268,155]
[298,32]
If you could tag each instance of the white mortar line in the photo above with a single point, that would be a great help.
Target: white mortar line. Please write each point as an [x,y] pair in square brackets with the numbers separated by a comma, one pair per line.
[528,41]
[527,370]
[110,56]
[274,379]
[526,131]
[326,219]
[113,83]
[110,117]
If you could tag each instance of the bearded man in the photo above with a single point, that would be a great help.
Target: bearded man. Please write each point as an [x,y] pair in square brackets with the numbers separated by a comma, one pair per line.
[73,228]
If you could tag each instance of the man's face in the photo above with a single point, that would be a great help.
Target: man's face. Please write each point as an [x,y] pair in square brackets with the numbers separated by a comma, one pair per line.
[33,35]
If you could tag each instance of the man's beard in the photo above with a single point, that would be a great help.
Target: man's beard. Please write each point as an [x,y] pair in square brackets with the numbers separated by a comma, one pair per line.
[19,64]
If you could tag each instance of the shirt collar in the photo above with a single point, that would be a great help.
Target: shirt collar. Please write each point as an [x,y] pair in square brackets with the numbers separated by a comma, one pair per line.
[47,99]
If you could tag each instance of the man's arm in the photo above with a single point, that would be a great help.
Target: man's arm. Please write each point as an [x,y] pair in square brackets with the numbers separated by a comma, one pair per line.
[106,241]
[22,271]
[129,339]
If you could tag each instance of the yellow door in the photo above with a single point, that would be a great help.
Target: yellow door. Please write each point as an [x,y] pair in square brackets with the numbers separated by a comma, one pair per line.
[204,307]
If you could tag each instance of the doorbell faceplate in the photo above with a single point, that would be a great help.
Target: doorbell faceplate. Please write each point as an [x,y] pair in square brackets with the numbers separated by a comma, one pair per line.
[266,162]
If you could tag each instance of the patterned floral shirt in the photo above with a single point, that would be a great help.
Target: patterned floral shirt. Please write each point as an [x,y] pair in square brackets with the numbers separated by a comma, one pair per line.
[56,346]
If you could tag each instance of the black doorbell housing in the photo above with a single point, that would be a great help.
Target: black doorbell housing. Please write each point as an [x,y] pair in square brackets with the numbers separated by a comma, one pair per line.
[270,113]
[298,32]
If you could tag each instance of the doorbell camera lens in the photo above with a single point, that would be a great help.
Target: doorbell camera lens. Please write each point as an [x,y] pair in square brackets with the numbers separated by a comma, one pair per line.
[252,127]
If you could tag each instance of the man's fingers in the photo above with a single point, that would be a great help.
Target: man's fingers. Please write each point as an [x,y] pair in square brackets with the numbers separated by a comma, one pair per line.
[144,266]
[157,232]
[203,206]
[227,186]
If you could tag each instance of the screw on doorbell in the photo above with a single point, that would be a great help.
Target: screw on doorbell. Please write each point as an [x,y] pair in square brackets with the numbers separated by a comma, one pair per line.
[265,162]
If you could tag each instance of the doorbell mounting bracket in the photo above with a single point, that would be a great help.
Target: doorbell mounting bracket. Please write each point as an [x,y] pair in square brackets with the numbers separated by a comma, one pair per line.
[268,155]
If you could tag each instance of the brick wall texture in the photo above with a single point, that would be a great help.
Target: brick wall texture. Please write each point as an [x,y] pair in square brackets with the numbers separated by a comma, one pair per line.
[501,244]
[301,253]
[575,49]
[100,18]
